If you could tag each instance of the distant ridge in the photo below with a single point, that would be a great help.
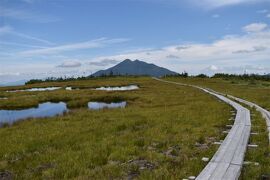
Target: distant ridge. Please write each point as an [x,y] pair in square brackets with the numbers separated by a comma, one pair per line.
[136,68]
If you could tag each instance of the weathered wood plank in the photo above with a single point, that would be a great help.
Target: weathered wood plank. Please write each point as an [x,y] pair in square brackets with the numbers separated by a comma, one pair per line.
[220,171]
[264,112]
[207,173]
[233,172]
[241,149]
[228,160]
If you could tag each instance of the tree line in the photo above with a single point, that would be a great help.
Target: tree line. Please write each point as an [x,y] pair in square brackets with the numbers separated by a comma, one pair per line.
[265,77]
[64,79]
[182,75]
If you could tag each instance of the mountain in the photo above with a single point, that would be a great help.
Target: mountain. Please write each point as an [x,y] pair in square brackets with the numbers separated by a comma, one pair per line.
[136,68]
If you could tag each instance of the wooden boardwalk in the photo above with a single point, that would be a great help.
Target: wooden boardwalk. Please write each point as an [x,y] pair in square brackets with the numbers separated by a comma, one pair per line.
[264,112]
[227,162]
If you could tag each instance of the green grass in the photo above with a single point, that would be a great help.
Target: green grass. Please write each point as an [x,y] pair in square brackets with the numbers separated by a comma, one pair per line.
[160,126]
[74,98]
[254,91]
[261,154]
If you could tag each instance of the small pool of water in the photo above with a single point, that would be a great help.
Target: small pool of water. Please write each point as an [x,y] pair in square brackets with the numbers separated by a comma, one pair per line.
[121,88]
[2,98]
[102,105]
[47,109]
[37,89]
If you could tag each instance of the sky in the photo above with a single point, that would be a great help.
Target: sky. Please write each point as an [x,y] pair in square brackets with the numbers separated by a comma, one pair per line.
[44,38]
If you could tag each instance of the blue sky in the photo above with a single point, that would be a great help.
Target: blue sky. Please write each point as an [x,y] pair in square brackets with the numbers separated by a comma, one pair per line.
[40,38]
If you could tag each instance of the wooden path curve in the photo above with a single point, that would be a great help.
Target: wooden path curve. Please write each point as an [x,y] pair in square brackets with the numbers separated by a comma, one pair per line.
[264,112]
[228,160]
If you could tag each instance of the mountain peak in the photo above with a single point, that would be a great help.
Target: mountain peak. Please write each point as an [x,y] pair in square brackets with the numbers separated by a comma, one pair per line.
[136,68]
[127,60]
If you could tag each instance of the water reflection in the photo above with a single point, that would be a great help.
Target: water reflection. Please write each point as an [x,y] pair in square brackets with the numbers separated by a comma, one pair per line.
[102,105]
[122,88]
[47,109]
[37,89]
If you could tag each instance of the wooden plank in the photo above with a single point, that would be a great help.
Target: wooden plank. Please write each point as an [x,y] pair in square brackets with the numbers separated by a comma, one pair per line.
[220,170]
[241,149]
[233,145]
[208,171]
[264,112]
[221,152]
[228,160]
[238,136]
[232,173]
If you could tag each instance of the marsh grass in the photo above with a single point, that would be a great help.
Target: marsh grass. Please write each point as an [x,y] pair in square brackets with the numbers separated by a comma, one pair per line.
[74,98]
[254,91]
[154,137]
[261,154]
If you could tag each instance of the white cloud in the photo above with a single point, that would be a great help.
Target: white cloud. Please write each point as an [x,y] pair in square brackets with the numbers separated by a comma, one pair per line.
[5,29]
[210,70]
[251,48]
[213,68]
[10,31]
[240,69]
[255,27]
[70,64]
[211,4]
[19,14]
[97,43]
[231,54]
[262,11]
[215,16]
[104,62]
[25,36]
[20,45]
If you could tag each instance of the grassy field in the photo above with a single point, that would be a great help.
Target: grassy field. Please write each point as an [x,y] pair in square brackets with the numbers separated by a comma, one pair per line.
[254,91]
[259,155]
[163,133]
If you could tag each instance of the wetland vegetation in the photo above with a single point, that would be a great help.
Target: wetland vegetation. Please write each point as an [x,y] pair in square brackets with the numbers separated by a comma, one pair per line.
[257,91]
[164,132]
